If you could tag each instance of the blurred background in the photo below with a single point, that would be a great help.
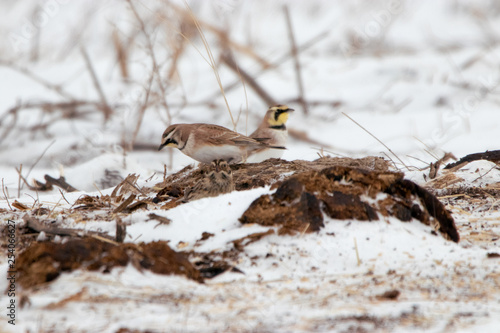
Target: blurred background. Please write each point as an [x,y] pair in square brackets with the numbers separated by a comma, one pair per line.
[88,87]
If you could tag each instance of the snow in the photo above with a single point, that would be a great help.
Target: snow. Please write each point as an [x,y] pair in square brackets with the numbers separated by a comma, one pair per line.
[423,81]
[221,212]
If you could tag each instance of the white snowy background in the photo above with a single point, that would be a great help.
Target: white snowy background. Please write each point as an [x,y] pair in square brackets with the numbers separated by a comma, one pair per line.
[421,76]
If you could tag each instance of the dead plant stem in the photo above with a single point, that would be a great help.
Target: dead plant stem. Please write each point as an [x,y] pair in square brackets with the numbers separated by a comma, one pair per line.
[228,59]
[357,252]
[373,136]
[6,195]
[142,111]
[19,180]
[38,160]
[295,56]
[105,105]
[152,54]
[55,87]
[212,62]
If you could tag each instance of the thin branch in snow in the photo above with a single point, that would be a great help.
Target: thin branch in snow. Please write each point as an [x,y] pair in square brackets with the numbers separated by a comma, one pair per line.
[295,54]
[107,110]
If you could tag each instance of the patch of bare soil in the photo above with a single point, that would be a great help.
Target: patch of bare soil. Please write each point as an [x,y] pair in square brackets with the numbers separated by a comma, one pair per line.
[43,262]
[253,175]
[341,188]
[339,192]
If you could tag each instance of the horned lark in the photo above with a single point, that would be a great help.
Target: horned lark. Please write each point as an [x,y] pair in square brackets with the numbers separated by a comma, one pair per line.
[206,143]
[218,179]
[272,131]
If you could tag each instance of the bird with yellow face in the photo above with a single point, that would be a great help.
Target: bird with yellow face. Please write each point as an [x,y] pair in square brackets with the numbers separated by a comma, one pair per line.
[271,131]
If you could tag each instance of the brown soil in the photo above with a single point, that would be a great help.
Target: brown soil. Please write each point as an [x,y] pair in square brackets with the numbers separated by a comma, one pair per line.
[298,201]
[44,261]
[253,175]
[341,188]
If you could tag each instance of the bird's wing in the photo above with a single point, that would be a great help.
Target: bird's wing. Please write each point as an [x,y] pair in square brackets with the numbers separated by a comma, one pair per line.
[218,135]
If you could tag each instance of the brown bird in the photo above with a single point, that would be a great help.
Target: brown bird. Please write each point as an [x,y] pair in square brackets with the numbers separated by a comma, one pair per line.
[206,143]
[218,179]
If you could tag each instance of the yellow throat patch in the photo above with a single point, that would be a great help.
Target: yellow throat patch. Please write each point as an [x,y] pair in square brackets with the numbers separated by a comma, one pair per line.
[171,144]
[282,118]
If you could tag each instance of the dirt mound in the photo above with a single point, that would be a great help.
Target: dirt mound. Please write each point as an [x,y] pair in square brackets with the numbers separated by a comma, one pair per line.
[253,175]
[347,193]
[44,261]
[290,207]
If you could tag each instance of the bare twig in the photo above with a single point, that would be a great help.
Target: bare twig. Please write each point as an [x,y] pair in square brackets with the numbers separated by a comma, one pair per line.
[62,194]
[302,136]
[121,231]
[38,185]
[121,53]
[142,111]
[390,159]
[357,252]
[435,166]
[321,152]
[54,208]
[211,58]
[295,54]
[156,71]
[492,156]
[221,34]
[35,46]
[246,100]
[161,219]
[428,150]
[55,87]
[373,136]
[275,64]
[234,45]
[104,239]
[69,109]
[125,203]
[19,180]
[420,160]
[487,172]
[6,195]
[60,182]
[228,59]
[431,154]
[105,105]
[38,226]
[129,184]
[20,205]
[39,158]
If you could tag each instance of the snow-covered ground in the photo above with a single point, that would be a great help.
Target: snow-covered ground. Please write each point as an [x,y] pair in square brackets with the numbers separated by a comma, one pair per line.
[420,76]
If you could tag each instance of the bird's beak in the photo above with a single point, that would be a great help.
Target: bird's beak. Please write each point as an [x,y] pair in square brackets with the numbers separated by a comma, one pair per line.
[290,110]
[161,146]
